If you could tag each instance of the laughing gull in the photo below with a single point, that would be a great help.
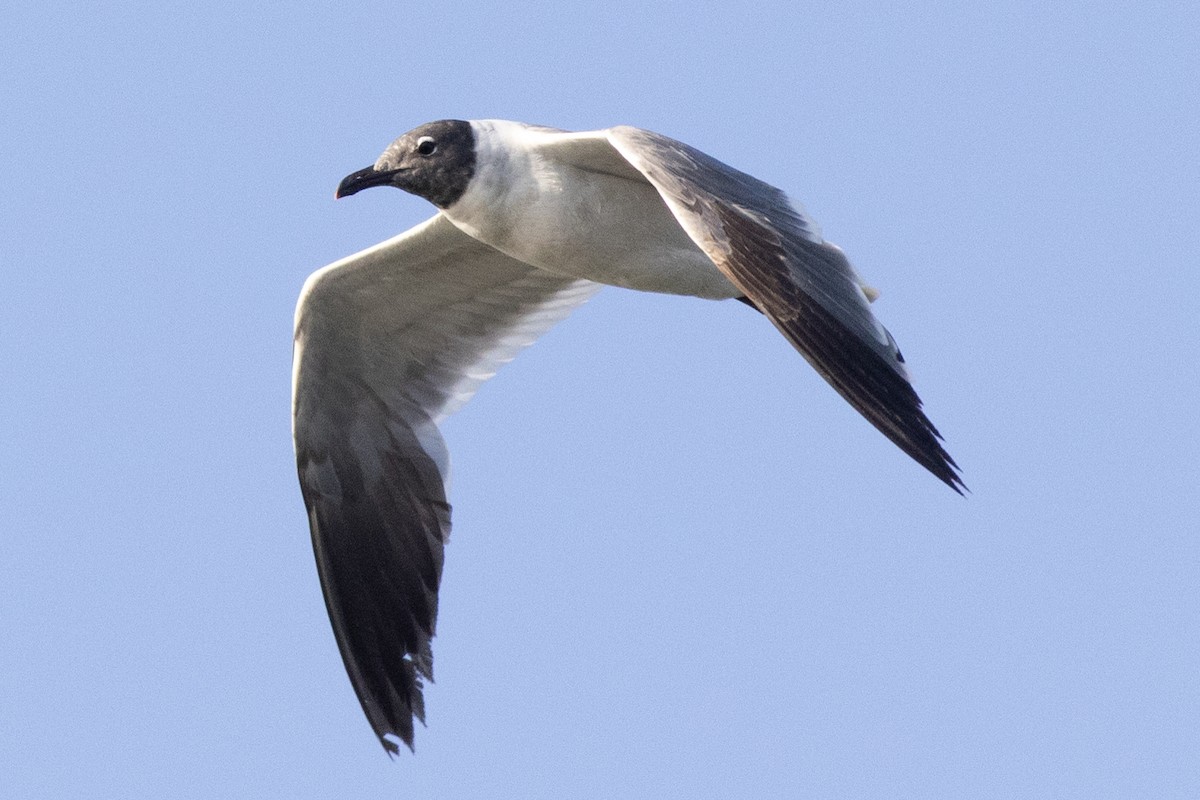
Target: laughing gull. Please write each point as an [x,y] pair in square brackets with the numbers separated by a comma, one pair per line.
[531,222]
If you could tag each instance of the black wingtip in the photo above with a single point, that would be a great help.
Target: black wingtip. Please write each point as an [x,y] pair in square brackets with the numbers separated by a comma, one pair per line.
[928,450]
[951,478]
[379,556]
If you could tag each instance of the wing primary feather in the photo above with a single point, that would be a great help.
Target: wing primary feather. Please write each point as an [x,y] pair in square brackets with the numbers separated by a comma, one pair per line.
[877,389]
[773,252]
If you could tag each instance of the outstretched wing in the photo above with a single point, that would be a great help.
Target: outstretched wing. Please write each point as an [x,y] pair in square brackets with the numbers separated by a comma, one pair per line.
[388,342]
[774,253]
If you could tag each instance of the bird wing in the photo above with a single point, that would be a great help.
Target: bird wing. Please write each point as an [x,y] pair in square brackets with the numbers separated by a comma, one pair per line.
[773,252]
[388,342]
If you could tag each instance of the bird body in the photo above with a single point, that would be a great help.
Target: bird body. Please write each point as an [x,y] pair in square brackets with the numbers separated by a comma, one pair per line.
[531,222]
[571,205]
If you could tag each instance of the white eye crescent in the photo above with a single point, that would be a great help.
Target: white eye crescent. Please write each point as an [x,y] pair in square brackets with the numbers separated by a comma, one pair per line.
[426,145]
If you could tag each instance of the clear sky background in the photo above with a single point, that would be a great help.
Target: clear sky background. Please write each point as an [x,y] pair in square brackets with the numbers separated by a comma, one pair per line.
[681,565]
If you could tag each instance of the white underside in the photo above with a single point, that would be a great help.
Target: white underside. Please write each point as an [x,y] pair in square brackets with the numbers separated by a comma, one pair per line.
[568,218]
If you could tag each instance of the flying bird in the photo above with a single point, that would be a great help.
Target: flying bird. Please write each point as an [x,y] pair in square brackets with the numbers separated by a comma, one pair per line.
[531,222]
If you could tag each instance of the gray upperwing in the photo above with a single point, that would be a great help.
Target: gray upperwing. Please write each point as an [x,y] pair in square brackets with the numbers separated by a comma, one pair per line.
[774,253]
[389,341]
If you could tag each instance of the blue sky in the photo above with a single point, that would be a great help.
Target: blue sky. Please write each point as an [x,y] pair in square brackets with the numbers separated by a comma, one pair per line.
[681,565]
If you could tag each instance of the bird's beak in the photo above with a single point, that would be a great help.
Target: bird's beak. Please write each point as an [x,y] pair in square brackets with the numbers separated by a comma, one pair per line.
[364,179]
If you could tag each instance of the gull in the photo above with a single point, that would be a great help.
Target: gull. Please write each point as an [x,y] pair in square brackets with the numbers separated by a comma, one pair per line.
[531,222]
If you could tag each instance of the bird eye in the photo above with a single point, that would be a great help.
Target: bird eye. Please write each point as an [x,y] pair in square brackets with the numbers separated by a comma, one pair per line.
[426,145]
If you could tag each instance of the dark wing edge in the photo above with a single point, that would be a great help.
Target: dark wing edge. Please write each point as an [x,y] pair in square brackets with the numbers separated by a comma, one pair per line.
[774,254]
[389,341]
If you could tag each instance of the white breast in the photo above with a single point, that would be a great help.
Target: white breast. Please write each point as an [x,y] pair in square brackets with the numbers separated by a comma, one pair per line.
[576,222]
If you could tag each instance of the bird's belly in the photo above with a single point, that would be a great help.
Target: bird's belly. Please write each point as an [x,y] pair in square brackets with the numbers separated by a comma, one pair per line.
[610,254]
[610,230]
